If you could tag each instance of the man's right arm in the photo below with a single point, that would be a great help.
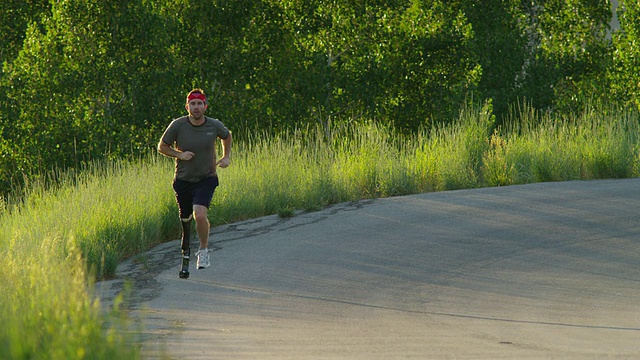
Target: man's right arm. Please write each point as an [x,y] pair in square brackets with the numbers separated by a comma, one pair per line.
[166,150]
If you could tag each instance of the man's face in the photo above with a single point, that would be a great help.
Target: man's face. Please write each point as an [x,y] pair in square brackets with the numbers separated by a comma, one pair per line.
[196,108]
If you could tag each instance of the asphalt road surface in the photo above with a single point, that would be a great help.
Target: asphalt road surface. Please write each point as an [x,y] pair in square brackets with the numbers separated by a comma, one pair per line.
[548,270]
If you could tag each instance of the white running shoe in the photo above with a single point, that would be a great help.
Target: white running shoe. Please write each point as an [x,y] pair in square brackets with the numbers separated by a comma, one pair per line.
[203,259]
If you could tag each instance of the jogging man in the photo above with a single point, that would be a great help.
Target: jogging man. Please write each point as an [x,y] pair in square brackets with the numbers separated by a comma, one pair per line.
[191,140]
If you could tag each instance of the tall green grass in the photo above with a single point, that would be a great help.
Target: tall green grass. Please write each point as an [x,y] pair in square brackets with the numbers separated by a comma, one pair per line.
[599,143]
[107,211]
[55,242]
[49,311]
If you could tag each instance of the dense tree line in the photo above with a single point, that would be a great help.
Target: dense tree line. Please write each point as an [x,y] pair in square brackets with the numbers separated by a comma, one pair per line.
[84,79]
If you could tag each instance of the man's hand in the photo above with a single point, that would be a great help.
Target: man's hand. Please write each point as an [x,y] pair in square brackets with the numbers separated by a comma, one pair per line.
[185,155]
[224,162]
[167,150]
[226,152]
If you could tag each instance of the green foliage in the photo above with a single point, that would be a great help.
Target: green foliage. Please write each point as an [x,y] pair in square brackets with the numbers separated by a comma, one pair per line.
[422,42]
[85,77]
[570,53]
[625,73]
[500,44]
[103,79]
[15,16]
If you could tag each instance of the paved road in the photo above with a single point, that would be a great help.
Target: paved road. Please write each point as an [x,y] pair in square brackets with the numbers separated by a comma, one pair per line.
[546,270]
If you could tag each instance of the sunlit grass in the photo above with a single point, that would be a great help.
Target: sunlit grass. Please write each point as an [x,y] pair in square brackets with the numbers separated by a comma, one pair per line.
[49,311]
[56,241]
[110,211]
[595,145]
[52,240]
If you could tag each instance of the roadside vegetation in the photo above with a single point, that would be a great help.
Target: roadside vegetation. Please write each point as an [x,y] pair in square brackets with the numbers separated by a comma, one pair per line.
[329,101]
[57,240]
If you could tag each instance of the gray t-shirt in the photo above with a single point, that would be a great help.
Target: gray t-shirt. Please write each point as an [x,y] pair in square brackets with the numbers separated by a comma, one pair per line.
[200,140]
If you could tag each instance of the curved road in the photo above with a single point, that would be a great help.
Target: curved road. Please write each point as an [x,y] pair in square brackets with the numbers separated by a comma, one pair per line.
[548,270]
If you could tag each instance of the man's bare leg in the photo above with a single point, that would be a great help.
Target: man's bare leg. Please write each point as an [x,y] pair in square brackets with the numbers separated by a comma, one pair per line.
[202,227]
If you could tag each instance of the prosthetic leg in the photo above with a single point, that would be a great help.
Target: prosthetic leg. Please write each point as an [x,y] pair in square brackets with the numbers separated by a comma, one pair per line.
[186,251]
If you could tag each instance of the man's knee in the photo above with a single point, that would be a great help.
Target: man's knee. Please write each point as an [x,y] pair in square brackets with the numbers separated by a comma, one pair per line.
[200,212]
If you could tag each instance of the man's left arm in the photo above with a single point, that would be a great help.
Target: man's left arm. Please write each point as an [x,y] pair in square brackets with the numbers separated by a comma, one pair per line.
[226,152]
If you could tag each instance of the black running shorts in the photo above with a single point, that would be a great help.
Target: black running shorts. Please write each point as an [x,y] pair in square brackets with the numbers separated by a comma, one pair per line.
[194,193]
